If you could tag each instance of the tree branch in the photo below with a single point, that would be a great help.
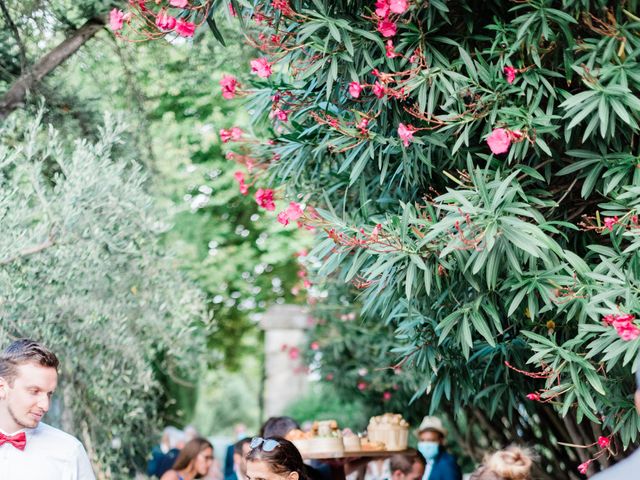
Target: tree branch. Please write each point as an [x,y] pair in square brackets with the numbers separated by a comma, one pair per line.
[29,251]
[16,34]
[28,80]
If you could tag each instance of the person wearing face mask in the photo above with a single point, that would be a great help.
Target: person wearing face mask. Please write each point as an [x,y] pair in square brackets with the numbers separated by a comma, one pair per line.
[441,465]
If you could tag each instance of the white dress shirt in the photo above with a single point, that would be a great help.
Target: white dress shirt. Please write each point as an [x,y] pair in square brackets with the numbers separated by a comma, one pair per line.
[50,454]
[427,469]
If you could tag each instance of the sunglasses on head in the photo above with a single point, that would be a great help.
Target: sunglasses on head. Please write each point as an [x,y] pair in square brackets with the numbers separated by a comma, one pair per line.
[267,445]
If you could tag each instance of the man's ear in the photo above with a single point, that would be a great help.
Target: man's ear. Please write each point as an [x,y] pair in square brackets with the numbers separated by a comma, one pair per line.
[4,386]
[638,400]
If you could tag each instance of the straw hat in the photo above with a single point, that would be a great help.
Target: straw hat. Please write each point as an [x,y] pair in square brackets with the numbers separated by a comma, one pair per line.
[431,423]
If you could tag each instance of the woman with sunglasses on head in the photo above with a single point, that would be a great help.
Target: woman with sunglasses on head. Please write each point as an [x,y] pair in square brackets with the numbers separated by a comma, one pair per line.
[194,461]
[274,458]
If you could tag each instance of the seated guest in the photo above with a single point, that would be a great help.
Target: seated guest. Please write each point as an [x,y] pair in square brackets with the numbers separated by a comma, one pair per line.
[406,467]
[164,455]
[441,465]
[274,458]
[240,451]
[512,463]
[194,461]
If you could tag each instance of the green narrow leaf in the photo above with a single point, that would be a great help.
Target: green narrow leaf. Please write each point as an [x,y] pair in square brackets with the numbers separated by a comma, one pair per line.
[411,275]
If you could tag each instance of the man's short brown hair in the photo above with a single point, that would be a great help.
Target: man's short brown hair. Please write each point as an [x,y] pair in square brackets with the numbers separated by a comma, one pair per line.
[24,351]
[404,462]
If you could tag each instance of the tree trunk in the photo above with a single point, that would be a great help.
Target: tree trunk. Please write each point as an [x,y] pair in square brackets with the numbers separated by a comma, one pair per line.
[28,80]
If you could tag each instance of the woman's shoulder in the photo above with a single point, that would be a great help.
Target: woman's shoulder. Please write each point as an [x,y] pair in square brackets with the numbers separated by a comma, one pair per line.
[170,475]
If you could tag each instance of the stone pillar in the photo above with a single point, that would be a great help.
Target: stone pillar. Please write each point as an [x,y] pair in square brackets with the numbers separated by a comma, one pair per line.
[285,375]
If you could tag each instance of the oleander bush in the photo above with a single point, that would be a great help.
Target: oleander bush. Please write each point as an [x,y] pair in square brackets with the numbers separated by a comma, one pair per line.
[471,170]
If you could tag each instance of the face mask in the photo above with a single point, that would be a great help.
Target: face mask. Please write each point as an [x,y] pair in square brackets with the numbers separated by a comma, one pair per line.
[429,450]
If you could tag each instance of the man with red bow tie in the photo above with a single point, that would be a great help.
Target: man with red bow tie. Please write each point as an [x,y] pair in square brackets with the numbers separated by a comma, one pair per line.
[30,449]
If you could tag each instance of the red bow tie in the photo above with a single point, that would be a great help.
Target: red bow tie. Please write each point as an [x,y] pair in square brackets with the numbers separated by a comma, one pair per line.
[18,440]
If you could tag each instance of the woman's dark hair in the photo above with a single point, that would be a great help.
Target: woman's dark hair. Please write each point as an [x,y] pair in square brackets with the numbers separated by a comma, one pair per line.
[283,459]
[278,427]
[190,451]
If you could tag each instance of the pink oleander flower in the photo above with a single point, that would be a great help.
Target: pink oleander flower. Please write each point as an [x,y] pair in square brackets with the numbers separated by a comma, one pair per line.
[314,346]
[583,467]
[390,50]
[609,319]
[375,233]
[398,6]
[362,386]
[499,141]
[387,28]
[239,176]
[609,222]
[603,442]
[329,376]
[184,28]
[232,11]
[281,115]
[626,329]
[534,397]
[229,84]
[178,3]
[234,134]
[264,198]
[378,89]
[362,126]
[386,396]
[382,8]
[261,67]
[294,353]
[164,21]
[292,213]
[405,132]
[283,218]
[355,89]
[283,6]
[116,19]
[510,72]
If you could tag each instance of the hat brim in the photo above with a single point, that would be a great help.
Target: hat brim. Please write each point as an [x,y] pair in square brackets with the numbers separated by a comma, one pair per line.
[441,431]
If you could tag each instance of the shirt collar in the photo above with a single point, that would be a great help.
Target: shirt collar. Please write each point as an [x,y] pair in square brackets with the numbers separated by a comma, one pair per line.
[27,431]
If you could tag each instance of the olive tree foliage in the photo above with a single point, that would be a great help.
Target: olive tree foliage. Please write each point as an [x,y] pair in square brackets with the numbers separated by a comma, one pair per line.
[494,270]
[81,271]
